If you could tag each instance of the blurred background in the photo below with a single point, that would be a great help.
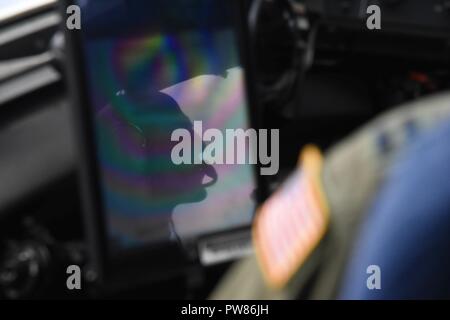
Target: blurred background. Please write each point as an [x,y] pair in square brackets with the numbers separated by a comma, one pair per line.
[374,101]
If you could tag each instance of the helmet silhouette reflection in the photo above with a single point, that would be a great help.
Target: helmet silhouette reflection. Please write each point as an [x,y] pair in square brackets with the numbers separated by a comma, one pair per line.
[142,184]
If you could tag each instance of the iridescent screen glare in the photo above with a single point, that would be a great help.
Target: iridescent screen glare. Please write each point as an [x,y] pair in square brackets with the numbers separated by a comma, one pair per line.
[153,67]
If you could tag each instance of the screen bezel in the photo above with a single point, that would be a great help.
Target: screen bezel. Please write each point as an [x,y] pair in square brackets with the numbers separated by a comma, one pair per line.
[136,265]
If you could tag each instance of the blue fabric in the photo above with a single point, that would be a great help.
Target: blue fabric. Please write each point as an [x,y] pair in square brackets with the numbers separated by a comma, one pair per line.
[407,232]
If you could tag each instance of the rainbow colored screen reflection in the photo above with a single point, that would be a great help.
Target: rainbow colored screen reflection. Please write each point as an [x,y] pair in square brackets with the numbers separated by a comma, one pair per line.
[154,67]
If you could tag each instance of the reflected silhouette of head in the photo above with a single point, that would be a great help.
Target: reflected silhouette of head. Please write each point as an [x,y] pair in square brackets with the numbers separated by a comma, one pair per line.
[135,146]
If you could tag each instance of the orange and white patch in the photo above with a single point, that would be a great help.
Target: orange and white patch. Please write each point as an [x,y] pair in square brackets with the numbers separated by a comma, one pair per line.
[292,222]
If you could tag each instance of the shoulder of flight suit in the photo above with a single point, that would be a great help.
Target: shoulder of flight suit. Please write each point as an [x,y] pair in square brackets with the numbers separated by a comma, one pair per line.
[353,170]
[407,231]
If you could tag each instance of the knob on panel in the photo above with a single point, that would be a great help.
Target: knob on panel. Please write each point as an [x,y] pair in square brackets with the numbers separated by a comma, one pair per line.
[21,268]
